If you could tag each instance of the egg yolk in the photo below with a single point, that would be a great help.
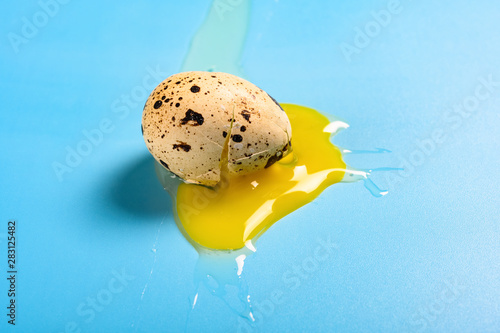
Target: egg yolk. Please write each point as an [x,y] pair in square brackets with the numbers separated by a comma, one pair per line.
[240,208]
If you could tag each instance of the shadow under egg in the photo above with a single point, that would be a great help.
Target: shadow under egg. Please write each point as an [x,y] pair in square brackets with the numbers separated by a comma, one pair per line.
[136,191]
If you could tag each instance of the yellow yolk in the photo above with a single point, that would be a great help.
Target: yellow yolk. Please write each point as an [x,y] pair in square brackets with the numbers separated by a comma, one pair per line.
[241,208]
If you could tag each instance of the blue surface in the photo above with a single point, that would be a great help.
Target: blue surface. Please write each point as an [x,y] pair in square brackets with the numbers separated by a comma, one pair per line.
[423,258]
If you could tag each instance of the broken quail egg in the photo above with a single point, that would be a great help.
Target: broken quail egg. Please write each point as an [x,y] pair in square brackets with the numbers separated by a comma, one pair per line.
[199,124]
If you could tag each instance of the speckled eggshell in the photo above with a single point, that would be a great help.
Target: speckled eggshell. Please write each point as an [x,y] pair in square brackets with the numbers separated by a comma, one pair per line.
[190,117]
[261,131]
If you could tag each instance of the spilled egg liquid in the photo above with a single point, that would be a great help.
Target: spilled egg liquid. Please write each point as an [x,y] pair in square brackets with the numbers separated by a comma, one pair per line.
[241,208]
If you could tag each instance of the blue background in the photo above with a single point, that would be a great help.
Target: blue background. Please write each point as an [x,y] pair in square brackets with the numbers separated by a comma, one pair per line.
[396,255]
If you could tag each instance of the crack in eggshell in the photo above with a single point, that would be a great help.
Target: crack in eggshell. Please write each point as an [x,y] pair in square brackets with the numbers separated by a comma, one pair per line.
[252,161]
[225,159]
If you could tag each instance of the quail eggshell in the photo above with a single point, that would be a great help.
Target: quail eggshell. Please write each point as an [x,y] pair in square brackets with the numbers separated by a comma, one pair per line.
[191,117]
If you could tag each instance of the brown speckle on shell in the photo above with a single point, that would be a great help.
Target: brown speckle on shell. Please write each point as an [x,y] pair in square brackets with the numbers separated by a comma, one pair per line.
[158,104]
